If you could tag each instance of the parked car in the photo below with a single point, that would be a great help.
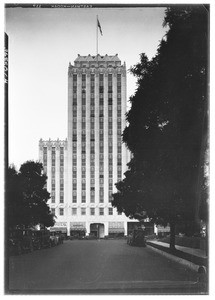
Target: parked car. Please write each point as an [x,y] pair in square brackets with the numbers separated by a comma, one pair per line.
[137,238]
[60,237]
[42,237]
[53,239]
[56,238]
[36,240]
[20,241]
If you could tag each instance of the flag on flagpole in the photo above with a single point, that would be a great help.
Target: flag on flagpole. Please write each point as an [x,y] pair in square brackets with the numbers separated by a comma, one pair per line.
[99,26]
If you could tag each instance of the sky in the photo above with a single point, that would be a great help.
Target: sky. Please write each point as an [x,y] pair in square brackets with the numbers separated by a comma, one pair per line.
[42,42]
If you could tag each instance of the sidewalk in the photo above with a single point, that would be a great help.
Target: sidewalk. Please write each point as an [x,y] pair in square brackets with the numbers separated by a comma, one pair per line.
[191,257]
[192,251]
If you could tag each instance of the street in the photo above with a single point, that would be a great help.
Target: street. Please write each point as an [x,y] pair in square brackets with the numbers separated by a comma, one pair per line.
[96,265]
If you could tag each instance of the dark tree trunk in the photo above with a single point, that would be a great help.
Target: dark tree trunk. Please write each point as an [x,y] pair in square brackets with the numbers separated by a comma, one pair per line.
[172,236]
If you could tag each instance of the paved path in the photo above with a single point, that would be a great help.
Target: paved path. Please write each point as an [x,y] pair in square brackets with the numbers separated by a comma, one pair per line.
[95,264]
[193,251]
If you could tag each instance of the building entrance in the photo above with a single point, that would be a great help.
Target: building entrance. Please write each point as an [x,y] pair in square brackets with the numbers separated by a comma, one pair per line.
[97,229]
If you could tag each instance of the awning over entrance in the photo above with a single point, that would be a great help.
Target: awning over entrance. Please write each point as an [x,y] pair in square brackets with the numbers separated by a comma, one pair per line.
[62,229]
[77,229]
[78,226]
[116,227]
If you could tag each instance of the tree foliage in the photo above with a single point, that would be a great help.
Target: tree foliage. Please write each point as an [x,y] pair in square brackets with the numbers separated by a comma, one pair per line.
[27,196]
[168,123]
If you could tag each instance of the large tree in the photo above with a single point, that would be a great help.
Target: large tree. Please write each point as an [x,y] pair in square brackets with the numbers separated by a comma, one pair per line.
[167,128]
[27,196]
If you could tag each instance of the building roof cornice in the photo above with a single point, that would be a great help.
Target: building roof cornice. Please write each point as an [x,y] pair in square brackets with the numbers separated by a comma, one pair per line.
[98,57]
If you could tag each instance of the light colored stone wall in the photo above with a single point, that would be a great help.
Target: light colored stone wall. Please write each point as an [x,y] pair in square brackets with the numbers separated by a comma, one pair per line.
[68,152]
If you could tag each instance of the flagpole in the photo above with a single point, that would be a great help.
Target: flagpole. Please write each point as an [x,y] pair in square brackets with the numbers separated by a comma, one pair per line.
[96,35]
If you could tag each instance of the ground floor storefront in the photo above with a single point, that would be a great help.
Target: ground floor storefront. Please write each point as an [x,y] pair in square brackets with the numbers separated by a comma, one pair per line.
[97,229]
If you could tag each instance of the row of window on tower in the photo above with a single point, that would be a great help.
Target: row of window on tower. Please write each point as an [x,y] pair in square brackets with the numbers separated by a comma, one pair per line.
[92,128]
[53,156]
[101,211]
[91,194]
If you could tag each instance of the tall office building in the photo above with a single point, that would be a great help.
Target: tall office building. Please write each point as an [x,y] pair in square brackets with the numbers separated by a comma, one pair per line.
[82,170]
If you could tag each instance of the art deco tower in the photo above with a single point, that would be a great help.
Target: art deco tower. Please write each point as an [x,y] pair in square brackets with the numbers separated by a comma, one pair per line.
[94,156]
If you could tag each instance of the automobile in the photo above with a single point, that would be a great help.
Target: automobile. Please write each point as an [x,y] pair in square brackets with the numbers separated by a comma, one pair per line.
[20,241]
[43,236]
[91,236]
[137,238]
[60,237]
[36,240]
[53,239]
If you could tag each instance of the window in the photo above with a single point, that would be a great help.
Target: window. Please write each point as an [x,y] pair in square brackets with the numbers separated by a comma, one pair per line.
[74,211]
[110,196]
[119,132]
[101,79]
[83,79]
[61,211]
[83,199]
[53,196]
[53,211]
[92,197]
[101,195]
[110,210]
[74,198]
[61,197]
[109,98]
[53,184]
[83,211]
[74,78]
[119,213]
[92,211]
[101,211]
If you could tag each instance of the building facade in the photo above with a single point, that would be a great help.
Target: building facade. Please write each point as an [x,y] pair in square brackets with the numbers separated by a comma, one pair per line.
[82,170]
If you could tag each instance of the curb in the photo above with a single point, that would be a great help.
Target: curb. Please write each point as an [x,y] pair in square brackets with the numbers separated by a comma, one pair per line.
[182,261]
